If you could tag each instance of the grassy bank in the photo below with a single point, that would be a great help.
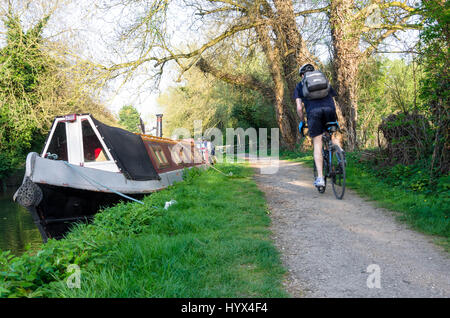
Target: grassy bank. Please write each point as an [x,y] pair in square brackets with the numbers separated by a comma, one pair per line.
[214,242]
[423,206]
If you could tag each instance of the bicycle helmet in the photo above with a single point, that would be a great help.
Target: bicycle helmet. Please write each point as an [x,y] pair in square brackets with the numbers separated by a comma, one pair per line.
[305,68]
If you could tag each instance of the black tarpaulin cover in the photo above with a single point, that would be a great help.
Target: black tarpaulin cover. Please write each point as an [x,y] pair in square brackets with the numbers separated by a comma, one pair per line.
[128,151]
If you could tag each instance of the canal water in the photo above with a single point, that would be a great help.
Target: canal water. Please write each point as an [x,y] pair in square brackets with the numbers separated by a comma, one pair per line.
[17,230]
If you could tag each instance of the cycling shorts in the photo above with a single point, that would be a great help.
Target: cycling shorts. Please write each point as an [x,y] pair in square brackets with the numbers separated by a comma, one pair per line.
[318,117]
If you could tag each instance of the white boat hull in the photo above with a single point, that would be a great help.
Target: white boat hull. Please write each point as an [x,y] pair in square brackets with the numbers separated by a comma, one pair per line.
[58,194]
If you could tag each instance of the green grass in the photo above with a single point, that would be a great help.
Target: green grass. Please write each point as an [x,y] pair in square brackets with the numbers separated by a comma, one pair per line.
[425,209]
[214,242]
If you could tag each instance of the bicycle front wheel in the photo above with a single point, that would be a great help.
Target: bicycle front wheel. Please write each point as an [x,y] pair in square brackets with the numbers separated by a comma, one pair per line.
[337,173]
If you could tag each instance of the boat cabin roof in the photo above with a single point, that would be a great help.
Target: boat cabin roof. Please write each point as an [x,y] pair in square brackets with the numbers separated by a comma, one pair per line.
[82,140]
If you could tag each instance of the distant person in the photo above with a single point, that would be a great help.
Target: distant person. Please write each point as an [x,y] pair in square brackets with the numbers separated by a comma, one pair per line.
[211,151]
[202,147]
[320,109]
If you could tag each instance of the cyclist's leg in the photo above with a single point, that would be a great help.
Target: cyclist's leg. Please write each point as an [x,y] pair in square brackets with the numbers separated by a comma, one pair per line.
[316,129]
[330,116]
[318,158]
[335,140]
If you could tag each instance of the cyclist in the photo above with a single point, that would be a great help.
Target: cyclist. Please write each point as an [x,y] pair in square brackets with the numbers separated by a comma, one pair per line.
[319,112]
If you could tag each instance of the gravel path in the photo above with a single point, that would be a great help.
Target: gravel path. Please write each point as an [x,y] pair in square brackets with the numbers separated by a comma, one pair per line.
[328,244]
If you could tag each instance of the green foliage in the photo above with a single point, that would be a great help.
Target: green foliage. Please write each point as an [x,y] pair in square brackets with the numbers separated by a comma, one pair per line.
[129,118]
[409,101]
[35,86]
[22,63]
[434,48]
[214,242]
[385,87]
[408,138]
[434,51]
[189,175]
[414,177]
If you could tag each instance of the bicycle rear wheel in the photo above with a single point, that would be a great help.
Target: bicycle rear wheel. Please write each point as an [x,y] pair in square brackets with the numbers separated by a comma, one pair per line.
[337,173]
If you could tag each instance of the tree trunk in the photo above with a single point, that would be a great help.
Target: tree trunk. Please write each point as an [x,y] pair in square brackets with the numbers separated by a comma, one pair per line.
[285,50]
[347,103]
[284,115]
[286,119]
[293,53]
[347,56]
[290,43]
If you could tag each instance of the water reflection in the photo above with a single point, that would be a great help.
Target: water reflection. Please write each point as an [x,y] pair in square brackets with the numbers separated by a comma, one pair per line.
[17,229]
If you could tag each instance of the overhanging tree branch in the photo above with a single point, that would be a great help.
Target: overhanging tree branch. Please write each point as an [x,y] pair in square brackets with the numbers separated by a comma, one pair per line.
[231,31]
[177,57]
[394,27]
[389,31]
[305,12]
[247,81]
[398,4]
[364,13]
[231,3]
[218,10]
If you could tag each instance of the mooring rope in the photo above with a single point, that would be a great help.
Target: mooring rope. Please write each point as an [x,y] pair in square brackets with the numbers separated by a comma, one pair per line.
[226,175]
[89,179]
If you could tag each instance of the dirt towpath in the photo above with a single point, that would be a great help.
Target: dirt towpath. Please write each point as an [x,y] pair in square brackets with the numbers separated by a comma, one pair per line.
[340,248]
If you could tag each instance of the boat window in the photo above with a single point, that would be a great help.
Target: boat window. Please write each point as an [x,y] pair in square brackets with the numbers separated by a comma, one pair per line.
[92,147]
[184,154]
[175,152]
[58,144]
[159,155]
[187,154]
[198,158]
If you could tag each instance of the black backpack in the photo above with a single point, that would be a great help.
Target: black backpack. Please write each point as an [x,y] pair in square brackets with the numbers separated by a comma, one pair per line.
[315,85]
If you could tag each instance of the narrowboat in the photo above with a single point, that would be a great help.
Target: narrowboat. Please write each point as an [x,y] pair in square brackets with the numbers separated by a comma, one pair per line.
[86,165]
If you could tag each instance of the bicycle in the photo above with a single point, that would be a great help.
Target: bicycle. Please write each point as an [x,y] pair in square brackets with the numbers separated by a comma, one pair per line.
[333,162]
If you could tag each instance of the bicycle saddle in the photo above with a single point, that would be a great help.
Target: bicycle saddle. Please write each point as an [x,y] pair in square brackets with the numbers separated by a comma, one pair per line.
[332,126]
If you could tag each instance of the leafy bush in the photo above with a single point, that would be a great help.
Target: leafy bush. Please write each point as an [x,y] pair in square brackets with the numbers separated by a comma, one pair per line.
[408,137]
[190,174]
[415,177]
[385,87]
